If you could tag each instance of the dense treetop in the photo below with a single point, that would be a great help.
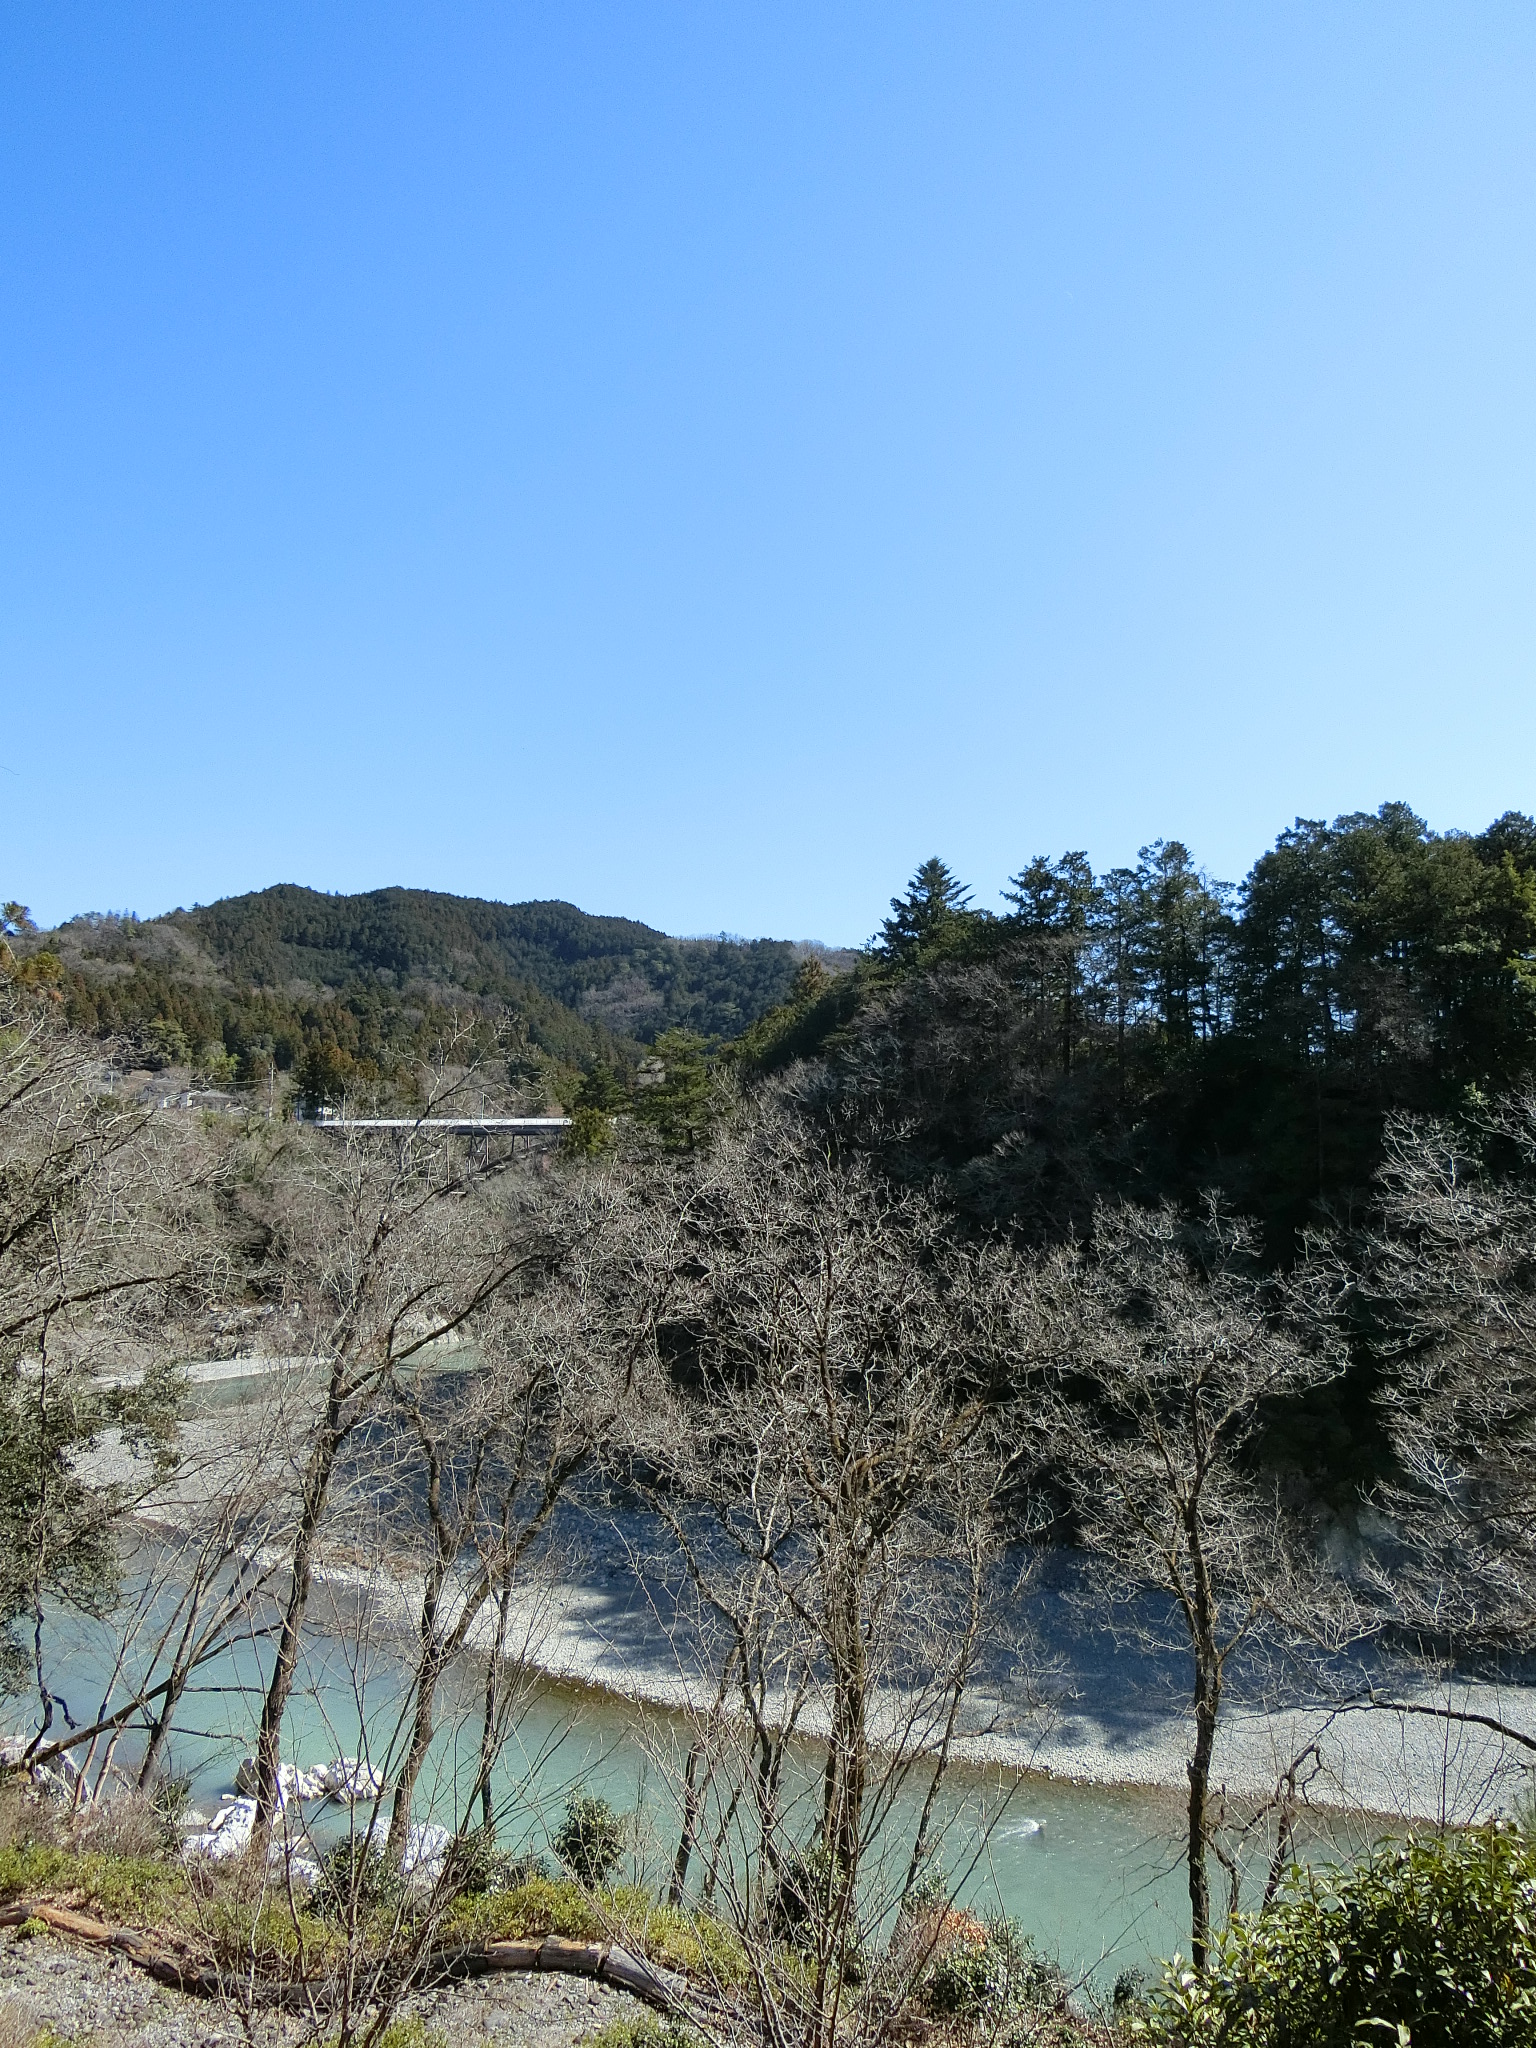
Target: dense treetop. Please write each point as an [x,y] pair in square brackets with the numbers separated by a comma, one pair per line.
[1147,1031]
[1150,1030]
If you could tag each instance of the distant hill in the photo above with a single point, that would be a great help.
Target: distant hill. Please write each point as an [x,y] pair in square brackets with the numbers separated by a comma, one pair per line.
[369,980]
[612,971]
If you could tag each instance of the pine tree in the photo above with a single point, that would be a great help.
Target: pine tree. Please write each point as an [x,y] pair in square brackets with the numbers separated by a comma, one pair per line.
[674,1093]
[934,911]
[1056,907]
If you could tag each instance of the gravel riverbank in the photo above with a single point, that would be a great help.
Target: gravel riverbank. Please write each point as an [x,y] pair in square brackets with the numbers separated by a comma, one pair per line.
[1074,1696]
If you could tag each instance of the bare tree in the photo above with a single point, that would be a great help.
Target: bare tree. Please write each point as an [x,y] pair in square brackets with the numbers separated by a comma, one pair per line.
[486,1456]
[201,1547]
[822,1445]
[1170,1342]
[392,1246]
[1447,1284]
[110,1248]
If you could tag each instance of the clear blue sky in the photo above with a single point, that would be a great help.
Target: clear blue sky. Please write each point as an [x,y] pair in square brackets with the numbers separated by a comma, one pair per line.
[699,460]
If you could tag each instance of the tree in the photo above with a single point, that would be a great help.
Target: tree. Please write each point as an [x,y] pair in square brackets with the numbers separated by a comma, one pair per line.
[209,1530]
[1118,966]
[821,1443]
[1056,908]
[388,1245]
[1170,1343]
[1447,1287]
[39,969]
[599,1097]
[602,1089]
[1378,941]
[932,914]
[327,1074]
[674,1091]
[1426,1941]
[1182,939]
[110,1249]
[487,1457]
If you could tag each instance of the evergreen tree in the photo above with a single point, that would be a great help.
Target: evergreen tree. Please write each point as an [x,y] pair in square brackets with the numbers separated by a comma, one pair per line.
[1056,910]
[932,914]
[1289,944]
[674,1094]
[598,1099]
[1183,935]
[1120,985]
[601,1089]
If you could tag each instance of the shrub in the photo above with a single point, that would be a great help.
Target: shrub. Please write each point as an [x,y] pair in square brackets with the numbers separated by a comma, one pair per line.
[411,2031]
[645,2030]
[541,1905]
[477,1869]
[590,1840]
[799,1898]
[242,1924]
[133,1825]
[171,1795]
[354,1877]
[120,1887]
[990,1977]
[27,1819]
[1431,1941]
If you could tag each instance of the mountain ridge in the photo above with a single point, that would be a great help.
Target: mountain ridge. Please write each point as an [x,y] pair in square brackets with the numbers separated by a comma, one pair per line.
[296,974]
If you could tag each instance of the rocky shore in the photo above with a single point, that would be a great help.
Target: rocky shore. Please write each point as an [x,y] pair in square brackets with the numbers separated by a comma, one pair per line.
[1077,1693]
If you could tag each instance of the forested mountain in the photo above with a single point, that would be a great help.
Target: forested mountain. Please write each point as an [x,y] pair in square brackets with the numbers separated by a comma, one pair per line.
[611,970]
[1152,1031]
[344,992]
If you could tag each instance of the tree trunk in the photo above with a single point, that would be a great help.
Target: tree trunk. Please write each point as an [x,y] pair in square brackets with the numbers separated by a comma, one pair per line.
[160,1727]
[317,1486]
[490,1723]
[428,1671]
[847,1757]
[690,1824]
[1207,1712]
[437,1652]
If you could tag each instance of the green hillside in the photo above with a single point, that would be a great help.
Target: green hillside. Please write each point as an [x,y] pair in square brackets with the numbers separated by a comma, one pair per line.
[346,992]
[612,971]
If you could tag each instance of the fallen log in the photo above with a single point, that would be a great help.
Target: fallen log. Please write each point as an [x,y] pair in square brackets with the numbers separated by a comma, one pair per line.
[610,1964]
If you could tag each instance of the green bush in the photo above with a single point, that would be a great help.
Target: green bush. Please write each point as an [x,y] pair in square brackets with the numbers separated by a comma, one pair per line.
[355,1876]
[800,1898]
[645,2030]
[135,1888]
[541,1905]
[411,2031]
[992,1979]
[1432,1942]
[476,1868]
[590,1840]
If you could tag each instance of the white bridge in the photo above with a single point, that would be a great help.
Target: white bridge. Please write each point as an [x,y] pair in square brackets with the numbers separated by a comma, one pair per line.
[459,1126]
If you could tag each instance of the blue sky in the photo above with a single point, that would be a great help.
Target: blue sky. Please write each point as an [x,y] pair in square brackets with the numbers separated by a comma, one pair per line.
[699,460]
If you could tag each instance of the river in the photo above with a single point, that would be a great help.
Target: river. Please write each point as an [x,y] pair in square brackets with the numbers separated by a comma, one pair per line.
[1091,1871]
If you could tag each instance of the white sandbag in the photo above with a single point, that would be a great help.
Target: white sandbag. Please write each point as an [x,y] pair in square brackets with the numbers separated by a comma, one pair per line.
[344,1777]
[292,1782]
[227,1834]
[426,1850]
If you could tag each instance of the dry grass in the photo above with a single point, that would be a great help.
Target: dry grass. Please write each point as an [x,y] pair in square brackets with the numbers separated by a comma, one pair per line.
[20,2026]
[129,1826]
[27,1818]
